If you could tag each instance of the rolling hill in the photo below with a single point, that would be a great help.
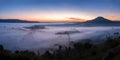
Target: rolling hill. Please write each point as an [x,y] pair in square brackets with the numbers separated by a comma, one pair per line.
[16,21]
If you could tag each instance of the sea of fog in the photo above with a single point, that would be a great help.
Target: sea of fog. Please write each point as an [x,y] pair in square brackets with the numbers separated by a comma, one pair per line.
[14,36]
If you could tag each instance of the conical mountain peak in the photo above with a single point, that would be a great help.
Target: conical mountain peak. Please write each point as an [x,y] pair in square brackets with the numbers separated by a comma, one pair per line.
[99,20]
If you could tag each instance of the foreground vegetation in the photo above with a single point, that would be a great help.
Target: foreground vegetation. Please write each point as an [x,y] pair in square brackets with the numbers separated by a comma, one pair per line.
[109,50]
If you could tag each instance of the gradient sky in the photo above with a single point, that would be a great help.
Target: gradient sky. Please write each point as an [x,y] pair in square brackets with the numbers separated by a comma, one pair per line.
[59,10]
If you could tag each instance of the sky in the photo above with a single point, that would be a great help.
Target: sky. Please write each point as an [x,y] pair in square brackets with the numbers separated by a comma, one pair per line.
[59,10]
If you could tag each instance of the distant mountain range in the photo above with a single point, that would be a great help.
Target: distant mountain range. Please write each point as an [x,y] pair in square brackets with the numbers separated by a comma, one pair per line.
[16,21]
[101,20]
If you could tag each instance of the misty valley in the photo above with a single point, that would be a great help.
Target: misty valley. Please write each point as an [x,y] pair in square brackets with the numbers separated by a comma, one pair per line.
[19,36]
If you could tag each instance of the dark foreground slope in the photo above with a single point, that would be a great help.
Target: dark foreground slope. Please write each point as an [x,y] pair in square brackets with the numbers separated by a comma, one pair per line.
[109,50]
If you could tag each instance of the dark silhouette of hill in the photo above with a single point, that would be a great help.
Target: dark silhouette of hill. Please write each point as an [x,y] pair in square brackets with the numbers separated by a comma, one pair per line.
[16,21]
[99,20]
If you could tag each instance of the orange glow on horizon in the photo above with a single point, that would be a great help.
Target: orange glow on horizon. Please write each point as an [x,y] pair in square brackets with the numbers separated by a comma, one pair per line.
[53,16]
[113,18]
[50,16]
[65,19]
[54,19]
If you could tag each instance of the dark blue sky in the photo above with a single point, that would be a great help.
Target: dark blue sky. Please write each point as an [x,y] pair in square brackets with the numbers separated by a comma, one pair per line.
[59,9]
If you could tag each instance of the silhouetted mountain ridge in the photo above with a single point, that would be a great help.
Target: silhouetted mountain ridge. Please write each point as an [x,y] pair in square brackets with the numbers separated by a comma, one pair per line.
[16,21]
[100,20]
[97,20]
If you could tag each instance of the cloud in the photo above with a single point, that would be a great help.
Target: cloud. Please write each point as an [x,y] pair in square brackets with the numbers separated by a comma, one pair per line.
[76,19]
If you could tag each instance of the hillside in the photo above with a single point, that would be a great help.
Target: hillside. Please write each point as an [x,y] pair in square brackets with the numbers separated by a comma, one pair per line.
[99,20]
[16,21]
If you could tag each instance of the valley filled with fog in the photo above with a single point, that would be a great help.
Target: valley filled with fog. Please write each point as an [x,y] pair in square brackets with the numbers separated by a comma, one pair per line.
[14,36]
